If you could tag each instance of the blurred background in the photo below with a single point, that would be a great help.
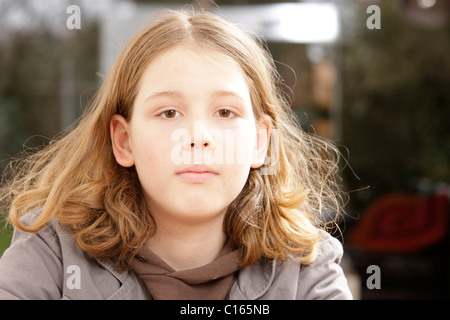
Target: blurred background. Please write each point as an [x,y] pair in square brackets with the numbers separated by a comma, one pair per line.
[373,76]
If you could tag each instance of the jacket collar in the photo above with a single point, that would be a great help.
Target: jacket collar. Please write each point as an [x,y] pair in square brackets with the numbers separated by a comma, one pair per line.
[253,281]
[131,286]
[112,266]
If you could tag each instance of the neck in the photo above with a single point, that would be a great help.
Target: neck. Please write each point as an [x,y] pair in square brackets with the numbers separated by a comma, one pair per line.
[187,246]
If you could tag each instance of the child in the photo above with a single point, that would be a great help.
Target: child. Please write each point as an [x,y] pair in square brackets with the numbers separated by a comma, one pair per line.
[163,189]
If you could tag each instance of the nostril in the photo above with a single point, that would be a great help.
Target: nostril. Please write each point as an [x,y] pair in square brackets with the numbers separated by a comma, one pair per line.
[206,144]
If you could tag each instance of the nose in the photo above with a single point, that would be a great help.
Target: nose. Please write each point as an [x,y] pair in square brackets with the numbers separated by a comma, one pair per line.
[201,136]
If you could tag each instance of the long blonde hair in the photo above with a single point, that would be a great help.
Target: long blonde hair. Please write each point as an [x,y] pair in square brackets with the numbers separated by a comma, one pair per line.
[76,180]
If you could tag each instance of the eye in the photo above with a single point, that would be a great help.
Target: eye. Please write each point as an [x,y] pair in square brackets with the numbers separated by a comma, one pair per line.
[169,114]
[225,113]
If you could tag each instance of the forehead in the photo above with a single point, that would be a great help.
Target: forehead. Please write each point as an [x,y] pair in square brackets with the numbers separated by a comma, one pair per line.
[186,66]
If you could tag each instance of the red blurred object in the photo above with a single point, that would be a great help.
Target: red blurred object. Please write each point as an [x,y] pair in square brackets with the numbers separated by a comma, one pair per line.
[402,223]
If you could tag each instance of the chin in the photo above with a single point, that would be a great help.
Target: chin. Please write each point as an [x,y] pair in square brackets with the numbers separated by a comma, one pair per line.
[200,212]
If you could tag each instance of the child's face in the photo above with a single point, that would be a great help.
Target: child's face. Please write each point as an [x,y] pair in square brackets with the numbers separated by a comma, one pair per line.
[191,109]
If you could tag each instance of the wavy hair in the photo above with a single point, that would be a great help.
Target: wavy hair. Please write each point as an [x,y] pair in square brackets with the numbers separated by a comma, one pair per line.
[76,180]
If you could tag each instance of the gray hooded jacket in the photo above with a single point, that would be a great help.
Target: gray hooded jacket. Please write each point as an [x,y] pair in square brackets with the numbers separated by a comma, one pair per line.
[49,265]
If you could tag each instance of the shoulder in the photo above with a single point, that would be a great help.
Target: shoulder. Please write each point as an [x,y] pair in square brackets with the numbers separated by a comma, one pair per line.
[51,237]
[324,278]
[329,250]
[47,238]
[49,264]
[291,280]
[32,254]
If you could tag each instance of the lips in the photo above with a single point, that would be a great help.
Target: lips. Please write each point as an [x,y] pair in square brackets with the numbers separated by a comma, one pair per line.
[197,174]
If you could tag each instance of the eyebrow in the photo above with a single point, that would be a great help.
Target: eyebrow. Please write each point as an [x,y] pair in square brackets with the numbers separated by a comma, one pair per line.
[226,93]
[179,94]
[160,94]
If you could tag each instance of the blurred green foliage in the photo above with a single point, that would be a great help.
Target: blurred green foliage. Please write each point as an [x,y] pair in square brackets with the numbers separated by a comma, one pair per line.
[5,236]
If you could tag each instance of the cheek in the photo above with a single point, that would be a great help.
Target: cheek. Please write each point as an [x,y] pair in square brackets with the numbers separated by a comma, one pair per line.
[238,155]
[238,148]
[151,149]
[236,177]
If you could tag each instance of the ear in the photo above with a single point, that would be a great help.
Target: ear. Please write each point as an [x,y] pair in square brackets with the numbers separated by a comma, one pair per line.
[263,129]
[120,139]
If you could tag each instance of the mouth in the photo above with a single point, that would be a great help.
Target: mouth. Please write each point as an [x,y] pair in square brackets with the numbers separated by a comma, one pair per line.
[197,174]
